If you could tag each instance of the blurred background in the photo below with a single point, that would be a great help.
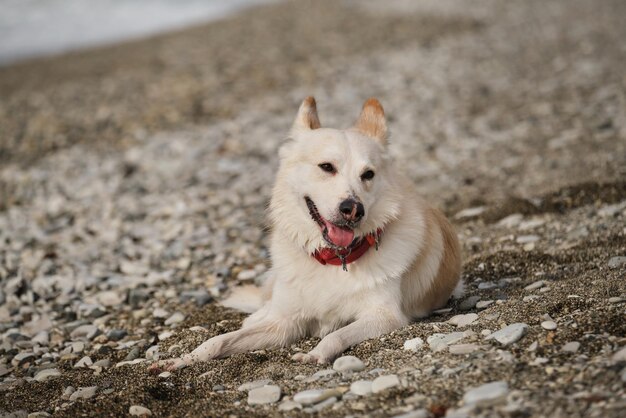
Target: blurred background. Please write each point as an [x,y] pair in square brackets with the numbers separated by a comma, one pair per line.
[138,146]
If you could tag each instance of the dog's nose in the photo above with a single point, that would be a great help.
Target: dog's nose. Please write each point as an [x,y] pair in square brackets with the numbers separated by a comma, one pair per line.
[351,210]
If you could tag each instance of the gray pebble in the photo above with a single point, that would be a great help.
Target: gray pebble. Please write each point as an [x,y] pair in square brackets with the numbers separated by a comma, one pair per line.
[84,393]
[348,364]
[484,304]
[469,303]
[418,413]
[138,410]
[361,387]
[264,395]
[200,297]
[253,385]
[83,362]
[116,334]
[313,396]
[413,344]
[175,318]
[104,363]
[85,331]
[536,285]
[438,342]
[289,406]
[463,320]
[616,262]
[508,334]
[549,325]
[487,394]
[486,285]
[385,382]
[571,347]
[46,374]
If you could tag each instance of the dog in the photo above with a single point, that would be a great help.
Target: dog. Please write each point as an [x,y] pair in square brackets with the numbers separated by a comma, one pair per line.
[356,253]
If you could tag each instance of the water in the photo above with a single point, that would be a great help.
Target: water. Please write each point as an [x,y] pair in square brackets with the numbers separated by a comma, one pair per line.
[31,28]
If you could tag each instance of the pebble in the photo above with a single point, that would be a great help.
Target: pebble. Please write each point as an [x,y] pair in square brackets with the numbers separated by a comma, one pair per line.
[511,220]
[413,344]
[322,405]
[253,385]
[463,348]
[175,318]
[470,212]
[23,358]
[313,396]
[487,394]
[385,382]
[39,414]
[116,334]
[42,338]
[616,299]
[46,374]
[324,375]
[508,334]
[165,375]
[83,362]
[348,364]
[3,370]
[616,262]
[264,395]
[527,239]
[549,325]
[165,335]
[85,331]
[469,303]
[140,411]
[361,387]
[84,393]
[571,347]
[289,405]
[104,363]
[620,355]
[160,313]
[487,285]
[418,413]
[535,285]
[483,304]
[463,320]
[438,342]
[201,297]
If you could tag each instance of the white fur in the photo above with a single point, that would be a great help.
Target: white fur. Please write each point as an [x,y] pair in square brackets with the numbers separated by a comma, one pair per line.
[381,291]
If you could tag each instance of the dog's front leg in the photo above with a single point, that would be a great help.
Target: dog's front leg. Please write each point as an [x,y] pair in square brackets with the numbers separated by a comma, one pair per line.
[267,333]
[371,325]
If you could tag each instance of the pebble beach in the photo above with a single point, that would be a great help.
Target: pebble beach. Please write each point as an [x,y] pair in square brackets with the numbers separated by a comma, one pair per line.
[134,180]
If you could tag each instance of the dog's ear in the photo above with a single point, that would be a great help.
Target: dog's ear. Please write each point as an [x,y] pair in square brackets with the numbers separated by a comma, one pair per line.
[307,118]
[371,121]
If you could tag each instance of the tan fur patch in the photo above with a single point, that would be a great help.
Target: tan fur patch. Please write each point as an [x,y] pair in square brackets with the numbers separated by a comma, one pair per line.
[307,117]
[450,266]
[371,121]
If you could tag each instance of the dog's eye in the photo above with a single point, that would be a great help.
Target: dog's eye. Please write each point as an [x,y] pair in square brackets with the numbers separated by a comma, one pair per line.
[327,167]
[368,175]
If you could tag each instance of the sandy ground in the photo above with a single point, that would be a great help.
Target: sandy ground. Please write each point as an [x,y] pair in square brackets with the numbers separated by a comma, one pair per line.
[131,174]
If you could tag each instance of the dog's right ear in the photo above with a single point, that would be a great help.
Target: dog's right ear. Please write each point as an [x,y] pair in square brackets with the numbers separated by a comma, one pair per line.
[307,118]
[371,121]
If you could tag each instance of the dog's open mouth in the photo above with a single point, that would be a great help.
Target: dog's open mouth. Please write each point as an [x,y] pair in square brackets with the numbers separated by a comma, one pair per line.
[337,236]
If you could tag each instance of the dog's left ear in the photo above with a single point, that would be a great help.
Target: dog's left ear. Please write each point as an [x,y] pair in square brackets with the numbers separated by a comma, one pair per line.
[307,118]
[371,121]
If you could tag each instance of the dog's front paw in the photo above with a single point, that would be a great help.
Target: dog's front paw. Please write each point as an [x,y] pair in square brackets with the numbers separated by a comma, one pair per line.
[169,365]
[310,358]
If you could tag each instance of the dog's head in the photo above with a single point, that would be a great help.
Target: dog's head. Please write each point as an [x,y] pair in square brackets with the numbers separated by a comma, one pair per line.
[334,186]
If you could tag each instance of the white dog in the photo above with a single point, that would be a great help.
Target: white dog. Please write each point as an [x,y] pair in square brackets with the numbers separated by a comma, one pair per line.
[355,252]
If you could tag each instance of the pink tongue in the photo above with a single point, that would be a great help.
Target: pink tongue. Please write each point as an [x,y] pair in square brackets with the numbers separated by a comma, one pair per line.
[339,236]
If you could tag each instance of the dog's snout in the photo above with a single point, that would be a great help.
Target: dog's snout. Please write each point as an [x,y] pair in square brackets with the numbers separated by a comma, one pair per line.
[351,210]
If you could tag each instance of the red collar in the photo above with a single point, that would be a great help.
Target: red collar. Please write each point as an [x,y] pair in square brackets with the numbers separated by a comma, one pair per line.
[334,257]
